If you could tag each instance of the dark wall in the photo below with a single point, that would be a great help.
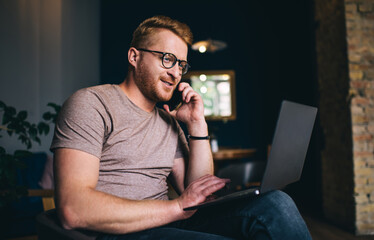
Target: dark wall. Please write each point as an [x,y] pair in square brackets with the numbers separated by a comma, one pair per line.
[270,47]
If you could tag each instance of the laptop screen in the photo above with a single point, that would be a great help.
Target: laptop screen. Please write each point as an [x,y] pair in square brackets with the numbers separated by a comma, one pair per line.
[290,144]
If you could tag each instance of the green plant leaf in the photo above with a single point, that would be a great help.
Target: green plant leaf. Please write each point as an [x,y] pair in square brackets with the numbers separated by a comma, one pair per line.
[2,150]
[46,129]
[28,144]
[25,140]
[22,115]
[9,132]
[56,107]
[11,111]
[37,139]
[43,128]
[33,131]
[6,118]
[47,116]
[17,126]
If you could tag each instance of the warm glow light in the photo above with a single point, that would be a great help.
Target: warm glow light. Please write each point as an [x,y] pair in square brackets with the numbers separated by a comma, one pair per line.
[202,49]
[203,89]
[225,77]
[202,77]
[223,87]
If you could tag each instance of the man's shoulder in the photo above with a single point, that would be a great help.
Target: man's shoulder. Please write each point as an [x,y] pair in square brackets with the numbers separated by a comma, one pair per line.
[90,100]
[96,90]
[93,94]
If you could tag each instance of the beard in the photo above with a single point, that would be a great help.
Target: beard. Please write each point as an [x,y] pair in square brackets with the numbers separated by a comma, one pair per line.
[150,85]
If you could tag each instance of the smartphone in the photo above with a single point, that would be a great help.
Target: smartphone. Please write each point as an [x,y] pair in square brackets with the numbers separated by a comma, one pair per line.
[176,100]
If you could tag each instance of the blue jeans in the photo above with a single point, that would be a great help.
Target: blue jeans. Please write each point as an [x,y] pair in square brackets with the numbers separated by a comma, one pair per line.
[273,215]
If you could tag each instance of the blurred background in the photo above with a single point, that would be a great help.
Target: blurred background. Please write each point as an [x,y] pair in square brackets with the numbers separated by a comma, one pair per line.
[314,52]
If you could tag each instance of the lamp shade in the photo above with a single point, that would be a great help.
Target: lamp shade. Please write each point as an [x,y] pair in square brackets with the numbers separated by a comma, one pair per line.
[209,45]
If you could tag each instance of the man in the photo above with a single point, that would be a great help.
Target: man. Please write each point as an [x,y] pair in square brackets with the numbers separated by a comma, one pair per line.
[114,150]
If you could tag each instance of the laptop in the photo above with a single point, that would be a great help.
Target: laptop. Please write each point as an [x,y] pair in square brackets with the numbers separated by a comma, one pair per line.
[287,155]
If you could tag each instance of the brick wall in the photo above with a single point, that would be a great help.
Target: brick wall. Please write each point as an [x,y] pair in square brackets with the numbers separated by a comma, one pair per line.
[334,112]
[360,38]
[345,62]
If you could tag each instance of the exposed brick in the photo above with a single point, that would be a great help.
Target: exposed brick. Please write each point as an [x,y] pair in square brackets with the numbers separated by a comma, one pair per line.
[364,172]
[363,216]
[361,198]
[369,58]
[370,128]
[365,7]
[350,7]
[370,163]
[360,101]
[369,92]
[360,84]
[370,16]
[354,67]
[369,110]
[344,203]
[371,182]
[370,74]
[363,147]
[365,207]
[363,137]
[359,129]
[364,228]
[349,16]
[354,41]
[354,57]
[359,119]
[363,154]
[361,181]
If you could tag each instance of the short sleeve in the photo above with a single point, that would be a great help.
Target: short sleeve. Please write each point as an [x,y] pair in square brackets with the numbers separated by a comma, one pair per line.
[82,123]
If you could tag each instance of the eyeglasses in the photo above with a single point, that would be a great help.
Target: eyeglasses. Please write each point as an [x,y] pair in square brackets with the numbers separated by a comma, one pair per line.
[169,60]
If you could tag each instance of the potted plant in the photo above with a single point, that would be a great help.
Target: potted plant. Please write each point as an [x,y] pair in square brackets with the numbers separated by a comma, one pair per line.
[16,124]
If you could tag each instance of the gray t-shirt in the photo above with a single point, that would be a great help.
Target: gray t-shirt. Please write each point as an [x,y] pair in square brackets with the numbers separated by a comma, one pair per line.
[136,148]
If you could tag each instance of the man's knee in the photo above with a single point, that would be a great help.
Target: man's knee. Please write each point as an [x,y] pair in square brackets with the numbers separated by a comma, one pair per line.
[280,203]
[280,213]
[279,199]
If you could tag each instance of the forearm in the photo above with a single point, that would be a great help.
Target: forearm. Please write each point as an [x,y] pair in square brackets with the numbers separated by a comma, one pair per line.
[94,210]
[200,157]
[80,205]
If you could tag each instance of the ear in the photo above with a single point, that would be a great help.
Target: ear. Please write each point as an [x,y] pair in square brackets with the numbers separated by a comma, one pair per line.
[132,56]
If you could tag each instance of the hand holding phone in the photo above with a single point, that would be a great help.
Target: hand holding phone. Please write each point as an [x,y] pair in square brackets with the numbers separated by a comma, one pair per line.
[189,105]
[176,100]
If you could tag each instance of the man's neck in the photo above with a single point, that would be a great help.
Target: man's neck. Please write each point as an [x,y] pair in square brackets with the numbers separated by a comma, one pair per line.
[136,96]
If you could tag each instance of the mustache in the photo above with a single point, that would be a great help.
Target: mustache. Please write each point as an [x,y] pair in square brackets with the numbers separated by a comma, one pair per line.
[169,79]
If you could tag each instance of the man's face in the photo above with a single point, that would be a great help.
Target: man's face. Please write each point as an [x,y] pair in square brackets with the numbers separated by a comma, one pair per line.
[155,81]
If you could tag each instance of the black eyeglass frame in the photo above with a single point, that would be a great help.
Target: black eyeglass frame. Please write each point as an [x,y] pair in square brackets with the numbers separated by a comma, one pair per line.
[184,70]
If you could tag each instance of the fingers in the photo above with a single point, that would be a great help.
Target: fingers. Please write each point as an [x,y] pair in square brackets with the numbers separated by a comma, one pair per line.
[167,109]
[211,184]
[187,92]
[207,185]
[200,190]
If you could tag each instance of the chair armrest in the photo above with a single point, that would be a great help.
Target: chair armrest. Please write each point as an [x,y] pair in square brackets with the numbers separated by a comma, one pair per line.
[47,197]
